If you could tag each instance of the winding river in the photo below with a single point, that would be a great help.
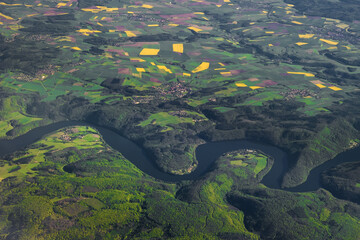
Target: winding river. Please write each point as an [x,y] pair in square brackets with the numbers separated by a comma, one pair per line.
[206,155]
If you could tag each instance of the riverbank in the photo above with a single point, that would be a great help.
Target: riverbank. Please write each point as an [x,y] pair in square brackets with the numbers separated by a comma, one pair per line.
[206,155]
[100,187]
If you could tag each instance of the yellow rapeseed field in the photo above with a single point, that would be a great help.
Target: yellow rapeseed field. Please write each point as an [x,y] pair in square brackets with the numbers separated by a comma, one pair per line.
[147,6]
[149,52]
[320,85]
[240,84]
[178,47]
[302,73]
[329,41]
[6,17]
[335,88]
[195,29]
[140,70]
[203,66]
[306,36]
[130,34]
[87,32]
[255,87]
[162,67]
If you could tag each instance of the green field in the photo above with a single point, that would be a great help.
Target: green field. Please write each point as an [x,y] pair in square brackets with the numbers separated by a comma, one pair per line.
[165,119]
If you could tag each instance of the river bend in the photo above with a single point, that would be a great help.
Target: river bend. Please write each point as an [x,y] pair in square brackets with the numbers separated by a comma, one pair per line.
[206,154]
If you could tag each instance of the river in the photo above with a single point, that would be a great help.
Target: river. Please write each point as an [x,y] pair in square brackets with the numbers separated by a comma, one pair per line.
[206,154]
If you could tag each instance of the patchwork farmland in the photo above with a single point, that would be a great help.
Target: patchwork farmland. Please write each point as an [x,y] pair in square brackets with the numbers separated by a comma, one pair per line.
[198,43]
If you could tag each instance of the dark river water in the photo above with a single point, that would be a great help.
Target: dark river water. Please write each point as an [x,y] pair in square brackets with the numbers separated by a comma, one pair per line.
[206,155]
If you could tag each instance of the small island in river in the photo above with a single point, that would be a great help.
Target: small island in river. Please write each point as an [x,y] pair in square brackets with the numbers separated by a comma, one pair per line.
[247,163]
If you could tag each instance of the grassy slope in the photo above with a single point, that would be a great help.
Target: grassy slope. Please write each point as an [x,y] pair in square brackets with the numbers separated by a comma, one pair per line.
[330,141]
[13,117]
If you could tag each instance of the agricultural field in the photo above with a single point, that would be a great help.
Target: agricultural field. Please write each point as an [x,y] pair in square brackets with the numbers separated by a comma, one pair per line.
[246,160]
[165,119]
[197,45]
[170,76]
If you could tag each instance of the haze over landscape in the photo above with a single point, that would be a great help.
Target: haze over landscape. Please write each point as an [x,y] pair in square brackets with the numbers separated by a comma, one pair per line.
[188,119]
